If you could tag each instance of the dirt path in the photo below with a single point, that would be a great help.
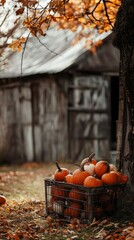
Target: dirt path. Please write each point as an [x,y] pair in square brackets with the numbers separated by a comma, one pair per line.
[26,182]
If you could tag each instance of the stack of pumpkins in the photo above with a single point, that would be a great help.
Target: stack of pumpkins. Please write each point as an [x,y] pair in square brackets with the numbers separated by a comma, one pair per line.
[89,174]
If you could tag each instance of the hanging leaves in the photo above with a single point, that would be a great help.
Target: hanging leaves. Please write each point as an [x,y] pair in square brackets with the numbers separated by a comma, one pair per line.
[2,2]
[20,11]
[76,15]
[28,3]
[17,44]
[80,16]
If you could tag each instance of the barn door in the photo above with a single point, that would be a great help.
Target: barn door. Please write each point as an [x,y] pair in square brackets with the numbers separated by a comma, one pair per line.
[89,118]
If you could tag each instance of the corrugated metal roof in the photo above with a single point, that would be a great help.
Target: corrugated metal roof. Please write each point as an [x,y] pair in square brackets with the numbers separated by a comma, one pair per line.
[53,53]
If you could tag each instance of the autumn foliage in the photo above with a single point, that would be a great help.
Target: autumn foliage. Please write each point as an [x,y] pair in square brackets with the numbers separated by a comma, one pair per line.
[83,17]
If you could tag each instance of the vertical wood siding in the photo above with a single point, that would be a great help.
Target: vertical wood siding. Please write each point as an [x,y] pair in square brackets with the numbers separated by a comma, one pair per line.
[15,124]
[46,121]
[50,121]
[89,120]
[33,122]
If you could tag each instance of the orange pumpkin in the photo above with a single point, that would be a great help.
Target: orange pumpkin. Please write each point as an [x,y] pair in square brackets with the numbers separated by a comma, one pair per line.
[104,199]
[109,208]
[73,210]
[75,194]
[93,161]
[60,173]
[98,211]
[122,177]
[79,176]
[2,200]
[110,178]
[69,178]
[101,167]
[91,181]
[58,192]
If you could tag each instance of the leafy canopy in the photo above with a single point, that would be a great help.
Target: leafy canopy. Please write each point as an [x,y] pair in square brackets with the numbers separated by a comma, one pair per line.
[83,17]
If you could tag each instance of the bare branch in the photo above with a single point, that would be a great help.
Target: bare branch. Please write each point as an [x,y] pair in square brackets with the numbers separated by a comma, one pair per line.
[107,15]
[5,18]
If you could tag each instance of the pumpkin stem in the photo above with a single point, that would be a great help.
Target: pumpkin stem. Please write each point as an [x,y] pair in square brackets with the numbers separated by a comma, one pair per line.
[57,165]
[82,166]
[90,157]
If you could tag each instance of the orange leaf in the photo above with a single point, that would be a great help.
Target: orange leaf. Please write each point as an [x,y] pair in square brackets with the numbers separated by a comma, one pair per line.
[122,237]
[17,44]
[3,2]
[19,11]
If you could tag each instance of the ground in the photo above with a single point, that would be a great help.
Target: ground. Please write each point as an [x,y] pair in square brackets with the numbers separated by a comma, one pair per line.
[23,216]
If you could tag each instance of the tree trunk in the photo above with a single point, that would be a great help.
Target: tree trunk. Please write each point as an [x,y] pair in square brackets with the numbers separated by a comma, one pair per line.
[122,126]
[124,40]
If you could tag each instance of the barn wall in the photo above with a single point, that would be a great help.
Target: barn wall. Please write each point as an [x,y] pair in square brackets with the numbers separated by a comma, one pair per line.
[55,118]
[33,121]
[50,120]
[89,116]
[15,124]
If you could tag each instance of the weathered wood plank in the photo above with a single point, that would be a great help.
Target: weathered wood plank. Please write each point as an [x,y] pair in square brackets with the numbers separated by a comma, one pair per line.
[89,120]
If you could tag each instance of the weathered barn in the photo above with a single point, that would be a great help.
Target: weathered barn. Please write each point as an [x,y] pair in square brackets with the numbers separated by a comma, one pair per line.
[61,107]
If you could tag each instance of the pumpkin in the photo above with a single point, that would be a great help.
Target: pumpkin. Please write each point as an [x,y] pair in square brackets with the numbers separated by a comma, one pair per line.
[109,208]
[58,192]
[104,199]
[122,177]
[75,194]
[91,181]
[79,176]
[110,178]
[112,167]
[93,161]
[58,207]
[73,210]
[98,211]
[101,167]
[60,173]
[2,200]
[69,178]
[89,167]
[89,160]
